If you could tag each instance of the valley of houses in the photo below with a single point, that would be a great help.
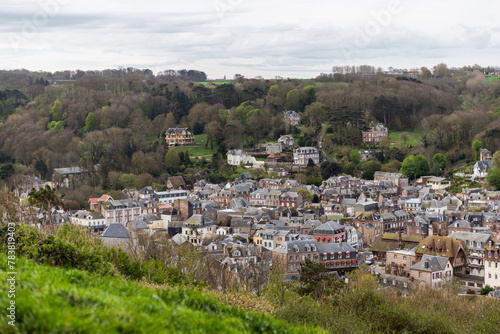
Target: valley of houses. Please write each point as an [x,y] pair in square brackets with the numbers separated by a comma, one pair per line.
[418,234]
[422,233]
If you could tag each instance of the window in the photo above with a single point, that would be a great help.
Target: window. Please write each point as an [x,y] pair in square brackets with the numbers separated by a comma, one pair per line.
[291,257]
[489,275]
[489,264]
[291,267]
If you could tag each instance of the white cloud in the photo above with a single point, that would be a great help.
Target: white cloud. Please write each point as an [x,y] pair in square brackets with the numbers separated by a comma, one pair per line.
[221,37]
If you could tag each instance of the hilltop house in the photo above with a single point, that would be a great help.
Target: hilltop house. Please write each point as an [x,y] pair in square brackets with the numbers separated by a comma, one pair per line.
[292,117]
[375,134]
[485,154]
[287,142]
[179,137]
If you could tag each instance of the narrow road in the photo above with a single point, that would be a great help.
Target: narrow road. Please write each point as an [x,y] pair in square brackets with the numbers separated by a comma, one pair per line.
[319,140]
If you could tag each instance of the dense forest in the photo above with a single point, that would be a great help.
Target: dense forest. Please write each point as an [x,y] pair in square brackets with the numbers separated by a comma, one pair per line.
[116,119]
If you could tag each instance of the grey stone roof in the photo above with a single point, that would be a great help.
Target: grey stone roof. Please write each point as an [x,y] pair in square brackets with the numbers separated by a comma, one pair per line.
[471,236]
[460,224]
[297,246]
[329,228]
[434,263]
[116,230]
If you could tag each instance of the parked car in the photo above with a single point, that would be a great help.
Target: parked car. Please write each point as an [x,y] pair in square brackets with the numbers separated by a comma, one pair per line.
[369,261]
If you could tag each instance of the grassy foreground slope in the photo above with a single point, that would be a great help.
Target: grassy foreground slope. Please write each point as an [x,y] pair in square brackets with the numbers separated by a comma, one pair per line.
[51,299]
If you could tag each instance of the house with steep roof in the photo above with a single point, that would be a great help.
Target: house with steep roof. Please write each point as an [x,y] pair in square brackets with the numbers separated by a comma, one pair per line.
[176,182]
[476,243]
[393,241]
[434,270]
[292,117]
[287,142]
[179,137]
[375,134]
[454,249]
[481,169]
[459,225]
[117,235]
[485,154]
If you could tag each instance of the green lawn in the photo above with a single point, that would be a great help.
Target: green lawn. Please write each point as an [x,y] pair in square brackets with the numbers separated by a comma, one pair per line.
[492,78]
[415,137]
[56,300]
[199,149]
[213,82]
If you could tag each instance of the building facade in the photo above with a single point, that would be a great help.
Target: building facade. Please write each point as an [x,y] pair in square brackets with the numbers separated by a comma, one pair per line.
[302,155]
[492,263]
[179,137]
[374,135]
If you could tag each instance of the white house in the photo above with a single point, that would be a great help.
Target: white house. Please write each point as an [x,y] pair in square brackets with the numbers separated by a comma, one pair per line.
[481,168]
[88,219]
[491,263]
[238,157]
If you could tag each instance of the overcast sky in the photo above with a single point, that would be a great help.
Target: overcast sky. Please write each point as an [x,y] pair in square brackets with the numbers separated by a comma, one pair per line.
[293,38]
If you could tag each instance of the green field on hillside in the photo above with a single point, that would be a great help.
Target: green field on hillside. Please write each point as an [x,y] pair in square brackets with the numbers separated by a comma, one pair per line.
[213,82]
[492,78]
[198,150]
[56,300]
[414,137]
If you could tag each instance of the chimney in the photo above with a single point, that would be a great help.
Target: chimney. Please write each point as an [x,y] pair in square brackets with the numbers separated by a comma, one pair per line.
[400,238]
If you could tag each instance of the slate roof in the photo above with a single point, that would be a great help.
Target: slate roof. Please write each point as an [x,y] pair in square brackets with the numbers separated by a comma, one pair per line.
[116,230]
[434,263]
[328,228]
[297,246]
[460,224]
